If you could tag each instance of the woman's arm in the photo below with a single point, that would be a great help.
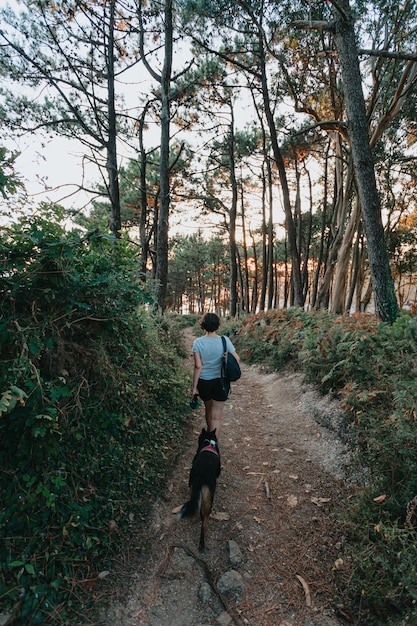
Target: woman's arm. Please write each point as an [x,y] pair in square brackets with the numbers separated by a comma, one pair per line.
[197,369]
[231,348]
[235,354]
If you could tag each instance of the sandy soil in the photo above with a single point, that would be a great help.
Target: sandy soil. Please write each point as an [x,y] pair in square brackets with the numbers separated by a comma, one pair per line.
[274,546]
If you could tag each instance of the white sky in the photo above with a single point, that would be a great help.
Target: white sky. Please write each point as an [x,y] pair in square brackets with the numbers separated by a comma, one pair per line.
[51,169]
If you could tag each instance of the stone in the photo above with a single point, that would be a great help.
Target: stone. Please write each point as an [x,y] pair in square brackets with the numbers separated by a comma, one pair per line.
[231,583]
[204,593]
[224,619]
[235,553]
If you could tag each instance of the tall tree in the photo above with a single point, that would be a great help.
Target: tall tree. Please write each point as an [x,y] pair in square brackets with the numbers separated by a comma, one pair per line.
[77,52]
[386,305]
[166,93]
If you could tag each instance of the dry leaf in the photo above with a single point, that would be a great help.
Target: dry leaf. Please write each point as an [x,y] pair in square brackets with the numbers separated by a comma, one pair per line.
[306,589]
[380,499]
[177,509]
[221,517]
[320,501]
[292,501]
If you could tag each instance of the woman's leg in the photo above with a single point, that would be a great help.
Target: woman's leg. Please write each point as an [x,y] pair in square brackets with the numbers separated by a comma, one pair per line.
[216,416]
[207,406]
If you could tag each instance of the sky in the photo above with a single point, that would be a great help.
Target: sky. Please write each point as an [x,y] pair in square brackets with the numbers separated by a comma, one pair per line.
[51,169]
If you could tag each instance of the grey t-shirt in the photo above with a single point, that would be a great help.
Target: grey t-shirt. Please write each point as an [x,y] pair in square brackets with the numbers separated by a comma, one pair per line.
[210,350]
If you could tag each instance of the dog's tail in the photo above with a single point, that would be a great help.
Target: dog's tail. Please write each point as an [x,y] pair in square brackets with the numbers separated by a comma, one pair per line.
[192,507]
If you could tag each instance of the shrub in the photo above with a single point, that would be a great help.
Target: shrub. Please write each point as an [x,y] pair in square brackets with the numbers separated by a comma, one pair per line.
[372,368]
[91,388]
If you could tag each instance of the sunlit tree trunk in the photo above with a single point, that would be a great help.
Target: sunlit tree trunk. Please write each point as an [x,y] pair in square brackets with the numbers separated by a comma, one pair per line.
[264,254]
[341,192]
[245,294]
[355,269]
[338,299]
[254,300]
[321,255]
[270,246]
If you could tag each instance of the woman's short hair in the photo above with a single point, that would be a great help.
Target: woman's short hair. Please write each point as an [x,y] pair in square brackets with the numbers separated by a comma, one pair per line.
[210,322]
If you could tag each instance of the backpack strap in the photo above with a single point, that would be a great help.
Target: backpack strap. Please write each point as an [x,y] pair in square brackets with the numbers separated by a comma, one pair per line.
[224,348]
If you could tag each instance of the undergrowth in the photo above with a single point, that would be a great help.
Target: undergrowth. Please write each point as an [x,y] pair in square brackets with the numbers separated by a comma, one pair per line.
[372,368]
[92,388]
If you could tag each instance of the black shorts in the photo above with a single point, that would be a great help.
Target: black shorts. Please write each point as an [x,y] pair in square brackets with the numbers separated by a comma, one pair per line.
[213,389]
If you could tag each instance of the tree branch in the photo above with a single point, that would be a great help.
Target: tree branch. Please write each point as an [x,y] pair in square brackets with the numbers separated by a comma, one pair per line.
[401,56]
[313,25]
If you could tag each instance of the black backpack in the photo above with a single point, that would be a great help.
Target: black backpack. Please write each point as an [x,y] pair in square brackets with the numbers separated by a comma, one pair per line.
[230,367]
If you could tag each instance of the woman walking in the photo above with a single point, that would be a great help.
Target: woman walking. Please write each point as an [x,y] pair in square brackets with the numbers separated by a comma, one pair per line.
[207,383]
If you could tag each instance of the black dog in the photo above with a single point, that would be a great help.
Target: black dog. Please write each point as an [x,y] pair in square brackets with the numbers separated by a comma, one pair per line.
[203,477]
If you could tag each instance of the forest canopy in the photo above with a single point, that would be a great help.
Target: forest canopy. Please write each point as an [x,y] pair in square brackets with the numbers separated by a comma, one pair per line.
[284,130]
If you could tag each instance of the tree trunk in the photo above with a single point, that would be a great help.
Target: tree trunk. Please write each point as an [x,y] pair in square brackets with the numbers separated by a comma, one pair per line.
[245,295]
[270,284]
[339,212]
[386,306]
[232,221]
[323,228]
[112,169]
[264,246]
[338,299]
[355,269]
[143,237]
[308,234]
[289,220]
[164,170]
[254,300]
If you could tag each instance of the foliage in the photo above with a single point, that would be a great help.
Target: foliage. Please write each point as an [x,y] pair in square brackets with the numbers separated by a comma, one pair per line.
[91,387]
[9,181]
[198,272]
[372,368]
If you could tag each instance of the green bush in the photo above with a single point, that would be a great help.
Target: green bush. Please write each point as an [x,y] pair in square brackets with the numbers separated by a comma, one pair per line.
[372,368]
[91,389]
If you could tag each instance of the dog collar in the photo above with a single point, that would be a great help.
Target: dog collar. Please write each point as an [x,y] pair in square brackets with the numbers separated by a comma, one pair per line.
[210,448]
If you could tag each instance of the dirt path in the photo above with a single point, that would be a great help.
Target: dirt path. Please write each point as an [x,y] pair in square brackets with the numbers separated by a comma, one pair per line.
[275,553]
